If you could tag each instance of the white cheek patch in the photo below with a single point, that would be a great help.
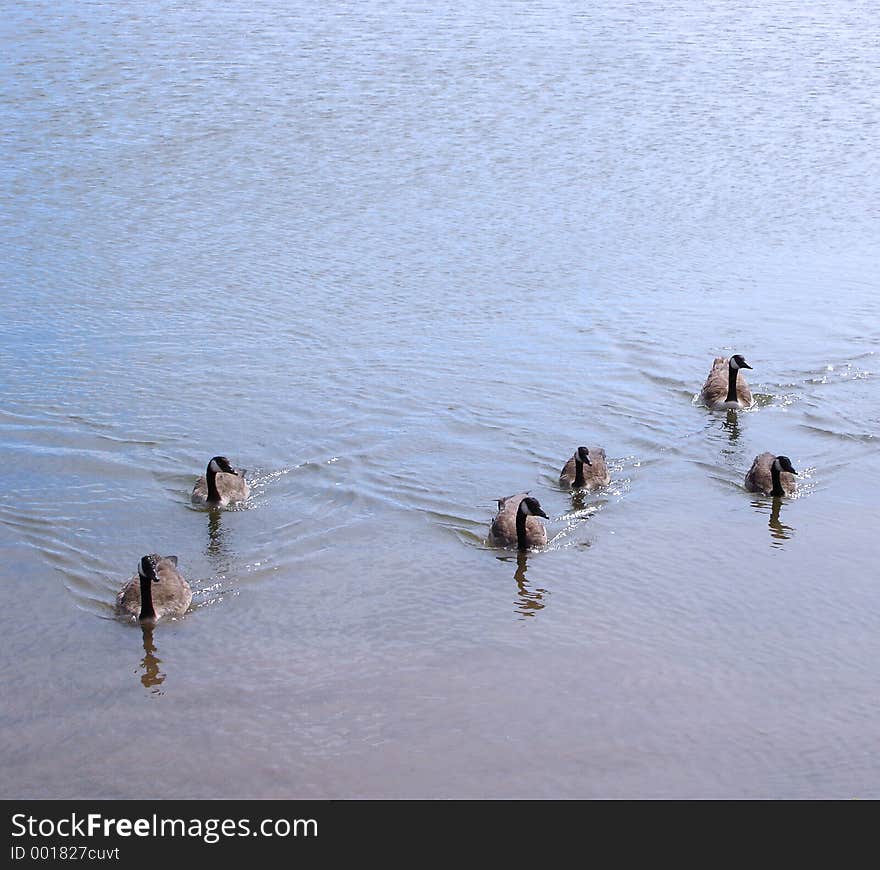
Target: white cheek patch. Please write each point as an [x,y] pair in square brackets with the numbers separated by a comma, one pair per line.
[733,363]
[214,467]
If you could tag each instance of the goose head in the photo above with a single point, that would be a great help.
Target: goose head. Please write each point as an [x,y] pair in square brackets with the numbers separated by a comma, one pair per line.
[221,463]
[147,568]
[583,455]
[783,463]
[531,507]
[738,361]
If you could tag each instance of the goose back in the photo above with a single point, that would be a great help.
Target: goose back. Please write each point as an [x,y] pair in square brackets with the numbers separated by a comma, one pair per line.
[595,475]
[502,532]
[714,392]
[759,478]
[231,487]
[171,595]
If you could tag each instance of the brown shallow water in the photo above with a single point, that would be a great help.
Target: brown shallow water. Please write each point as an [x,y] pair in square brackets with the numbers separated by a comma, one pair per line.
[398,264]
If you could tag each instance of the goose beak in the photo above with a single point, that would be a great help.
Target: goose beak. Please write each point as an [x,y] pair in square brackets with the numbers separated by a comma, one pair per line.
[542,514]
[745,365]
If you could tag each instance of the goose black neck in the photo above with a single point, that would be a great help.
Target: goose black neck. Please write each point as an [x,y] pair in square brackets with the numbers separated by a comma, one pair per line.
[777,481]
[521,541]
[211,479]
[731,385]
[578,472]
[147,611]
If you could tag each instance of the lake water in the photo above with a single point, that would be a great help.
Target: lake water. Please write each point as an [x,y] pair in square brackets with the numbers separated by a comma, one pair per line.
[398,262]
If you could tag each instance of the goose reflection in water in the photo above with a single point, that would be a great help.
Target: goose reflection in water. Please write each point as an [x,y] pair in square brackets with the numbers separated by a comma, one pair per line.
[578,500]
[218,549]
[731,426]
[152,677]
[529,601]
[779,531]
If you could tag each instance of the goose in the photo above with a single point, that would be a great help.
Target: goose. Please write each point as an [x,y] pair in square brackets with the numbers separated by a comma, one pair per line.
[771,475]
[158,590]
[516,523]
[723,389]
[587,469]
[221,485]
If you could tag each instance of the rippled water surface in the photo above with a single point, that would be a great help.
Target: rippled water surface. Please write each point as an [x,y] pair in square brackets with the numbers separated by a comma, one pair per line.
[398,262]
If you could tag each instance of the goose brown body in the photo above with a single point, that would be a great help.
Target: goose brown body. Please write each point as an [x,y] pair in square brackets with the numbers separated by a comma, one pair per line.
[170,594]
[595,474]
[716,391]
[228,485]
[759,478]
[503,532]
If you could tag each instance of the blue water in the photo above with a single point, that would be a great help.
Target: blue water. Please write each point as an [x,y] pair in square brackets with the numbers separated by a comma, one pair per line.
[397,263]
